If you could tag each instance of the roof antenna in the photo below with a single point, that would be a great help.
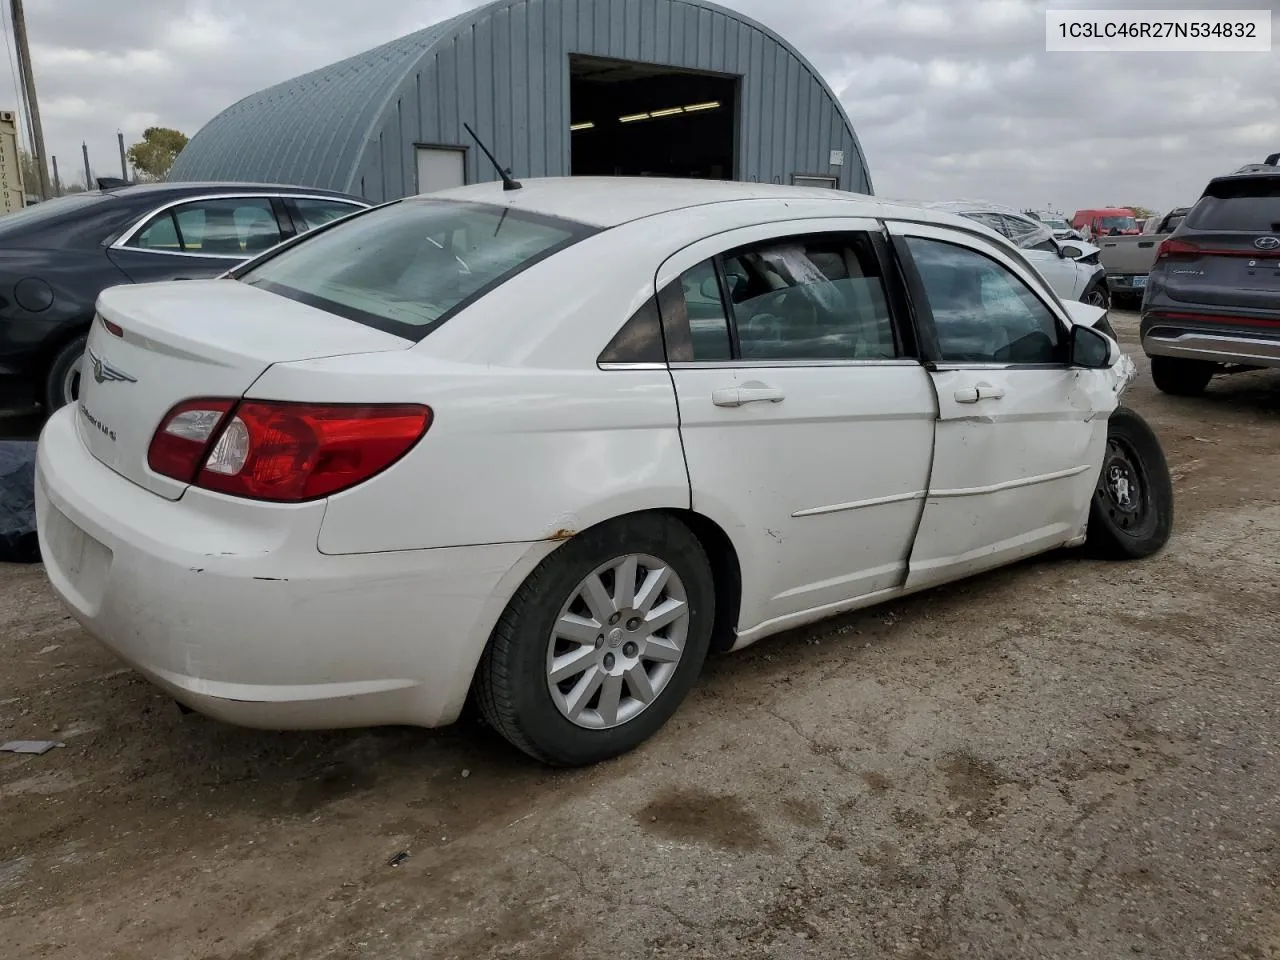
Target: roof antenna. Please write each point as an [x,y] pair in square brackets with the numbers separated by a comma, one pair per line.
[508,183]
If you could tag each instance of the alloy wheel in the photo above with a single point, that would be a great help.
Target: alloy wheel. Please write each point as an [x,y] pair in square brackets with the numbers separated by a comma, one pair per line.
[617,642]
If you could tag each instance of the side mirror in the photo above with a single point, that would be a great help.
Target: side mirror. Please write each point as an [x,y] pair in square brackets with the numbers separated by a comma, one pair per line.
[1071,253]
[710,288]
[1092,349]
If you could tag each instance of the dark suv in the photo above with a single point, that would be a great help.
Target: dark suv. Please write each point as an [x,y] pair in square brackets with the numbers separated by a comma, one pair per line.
[1212,303]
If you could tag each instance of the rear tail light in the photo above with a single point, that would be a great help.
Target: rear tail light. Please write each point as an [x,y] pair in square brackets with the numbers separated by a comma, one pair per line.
[1172,249]
[287,452]
[177,449]
[112,328]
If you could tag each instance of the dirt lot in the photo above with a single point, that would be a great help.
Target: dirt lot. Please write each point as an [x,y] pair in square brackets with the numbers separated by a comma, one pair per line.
[1064,759]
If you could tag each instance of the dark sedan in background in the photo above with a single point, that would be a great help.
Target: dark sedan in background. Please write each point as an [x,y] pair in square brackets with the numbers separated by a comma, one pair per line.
[56,257]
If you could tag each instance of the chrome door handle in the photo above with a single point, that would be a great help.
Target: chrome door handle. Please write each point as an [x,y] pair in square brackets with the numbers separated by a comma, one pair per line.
[751,393]
[979,391]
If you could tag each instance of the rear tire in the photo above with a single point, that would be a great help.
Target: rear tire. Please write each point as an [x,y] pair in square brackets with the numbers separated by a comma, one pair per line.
[532,680]
[1131,515]
[63,381]
[1181,378]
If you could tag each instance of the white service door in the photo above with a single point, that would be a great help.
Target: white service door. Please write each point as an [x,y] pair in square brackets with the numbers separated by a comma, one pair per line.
[440,168]
[1020,434]
[807,436]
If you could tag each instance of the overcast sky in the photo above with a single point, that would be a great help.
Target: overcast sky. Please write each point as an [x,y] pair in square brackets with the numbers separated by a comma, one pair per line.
[950,98]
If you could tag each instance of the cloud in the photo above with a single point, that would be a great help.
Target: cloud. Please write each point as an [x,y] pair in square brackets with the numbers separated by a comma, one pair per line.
[950,98]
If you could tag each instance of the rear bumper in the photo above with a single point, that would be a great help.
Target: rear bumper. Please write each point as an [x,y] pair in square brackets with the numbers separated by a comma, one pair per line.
[1252,340]
[231,608]
[1246,351]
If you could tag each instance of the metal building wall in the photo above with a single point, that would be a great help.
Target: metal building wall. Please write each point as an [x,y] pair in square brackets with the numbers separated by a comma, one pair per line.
[504,69]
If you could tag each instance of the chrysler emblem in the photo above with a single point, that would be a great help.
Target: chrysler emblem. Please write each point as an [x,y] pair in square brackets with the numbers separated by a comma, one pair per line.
[1267,243]
[103,371]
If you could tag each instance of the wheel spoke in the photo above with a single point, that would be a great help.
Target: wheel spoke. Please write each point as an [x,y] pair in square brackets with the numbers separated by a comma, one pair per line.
[638,683]
[583,690]
[665,615]
[651,589]
[597,598]
[578,629]
[624,583]
[610,698]
[571,664]
[661,651]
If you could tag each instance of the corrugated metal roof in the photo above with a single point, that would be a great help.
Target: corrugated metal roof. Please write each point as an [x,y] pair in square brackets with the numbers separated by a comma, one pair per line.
[504,67]
[308,130]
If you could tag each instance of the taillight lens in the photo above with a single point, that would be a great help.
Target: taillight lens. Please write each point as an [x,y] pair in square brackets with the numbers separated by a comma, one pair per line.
[1176,248]
[178,447]
[290,452]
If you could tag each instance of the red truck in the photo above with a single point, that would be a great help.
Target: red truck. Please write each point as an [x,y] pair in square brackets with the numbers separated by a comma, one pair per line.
[1106,222]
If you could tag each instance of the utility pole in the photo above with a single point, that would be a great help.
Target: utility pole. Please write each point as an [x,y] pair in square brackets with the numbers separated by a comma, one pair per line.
[88,174]
[124,162]
[29,82]
[57,182]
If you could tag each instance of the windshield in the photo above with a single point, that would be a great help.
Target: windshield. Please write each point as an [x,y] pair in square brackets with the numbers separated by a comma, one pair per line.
[1117,223]
[1054,223]
[48,210]
[406,267]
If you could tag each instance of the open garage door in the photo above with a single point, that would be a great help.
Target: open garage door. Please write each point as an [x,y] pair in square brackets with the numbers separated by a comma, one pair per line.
[639,119]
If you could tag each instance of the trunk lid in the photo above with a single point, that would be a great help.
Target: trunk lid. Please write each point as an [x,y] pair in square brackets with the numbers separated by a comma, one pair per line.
[186,339]
[1231,272]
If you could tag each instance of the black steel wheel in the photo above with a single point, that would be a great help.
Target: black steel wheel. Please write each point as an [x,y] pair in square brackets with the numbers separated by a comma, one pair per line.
[1132,511]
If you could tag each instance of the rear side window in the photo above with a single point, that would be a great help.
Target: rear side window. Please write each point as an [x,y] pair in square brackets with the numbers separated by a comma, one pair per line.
[316,213]
[228,226]
[405,268]
[1252,206]
[807,298]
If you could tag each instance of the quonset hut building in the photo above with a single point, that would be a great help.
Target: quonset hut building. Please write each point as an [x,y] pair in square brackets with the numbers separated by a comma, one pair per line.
[554,87]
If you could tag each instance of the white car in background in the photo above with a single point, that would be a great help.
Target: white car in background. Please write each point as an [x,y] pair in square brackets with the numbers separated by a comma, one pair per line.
[1073,268]
[1062,229]
[552,445]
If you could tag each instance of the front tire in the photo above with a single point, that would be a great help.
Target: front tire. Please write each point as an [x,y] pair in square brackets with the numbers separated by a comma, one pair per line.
[1180,377]
[62,385]
[1131,515]
[601,643]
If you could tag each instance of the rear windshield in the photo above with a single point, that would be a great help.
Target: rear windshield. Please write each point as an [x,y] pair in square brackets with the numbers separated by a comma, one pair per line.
[1252,206]
[48,210]
[406,267]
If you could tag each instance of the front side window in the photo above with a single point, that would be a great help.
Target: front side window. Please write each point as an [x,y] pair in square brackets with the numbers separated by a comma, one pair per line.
[983,312]
[405,267]
[227,226]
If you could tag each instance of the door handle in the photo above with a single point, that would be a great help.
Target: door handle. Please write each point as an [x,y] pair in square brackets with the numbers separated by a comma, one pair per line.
[751,393]
[979,391]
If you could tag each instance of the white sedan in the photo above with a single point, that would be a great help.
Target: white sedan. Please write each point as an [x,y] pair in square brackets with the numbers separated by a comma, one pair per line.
[553,445]
[1072,267]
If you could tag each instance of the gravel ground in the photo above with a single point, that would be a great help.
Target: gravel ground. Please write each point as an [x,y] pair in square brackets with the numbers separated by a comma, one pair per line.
[1067,758]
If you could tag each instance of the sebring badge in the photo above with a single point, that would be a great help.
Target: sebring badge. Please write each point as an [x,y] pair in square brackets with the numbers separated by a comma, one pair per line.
[103,371]
[1267,243]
